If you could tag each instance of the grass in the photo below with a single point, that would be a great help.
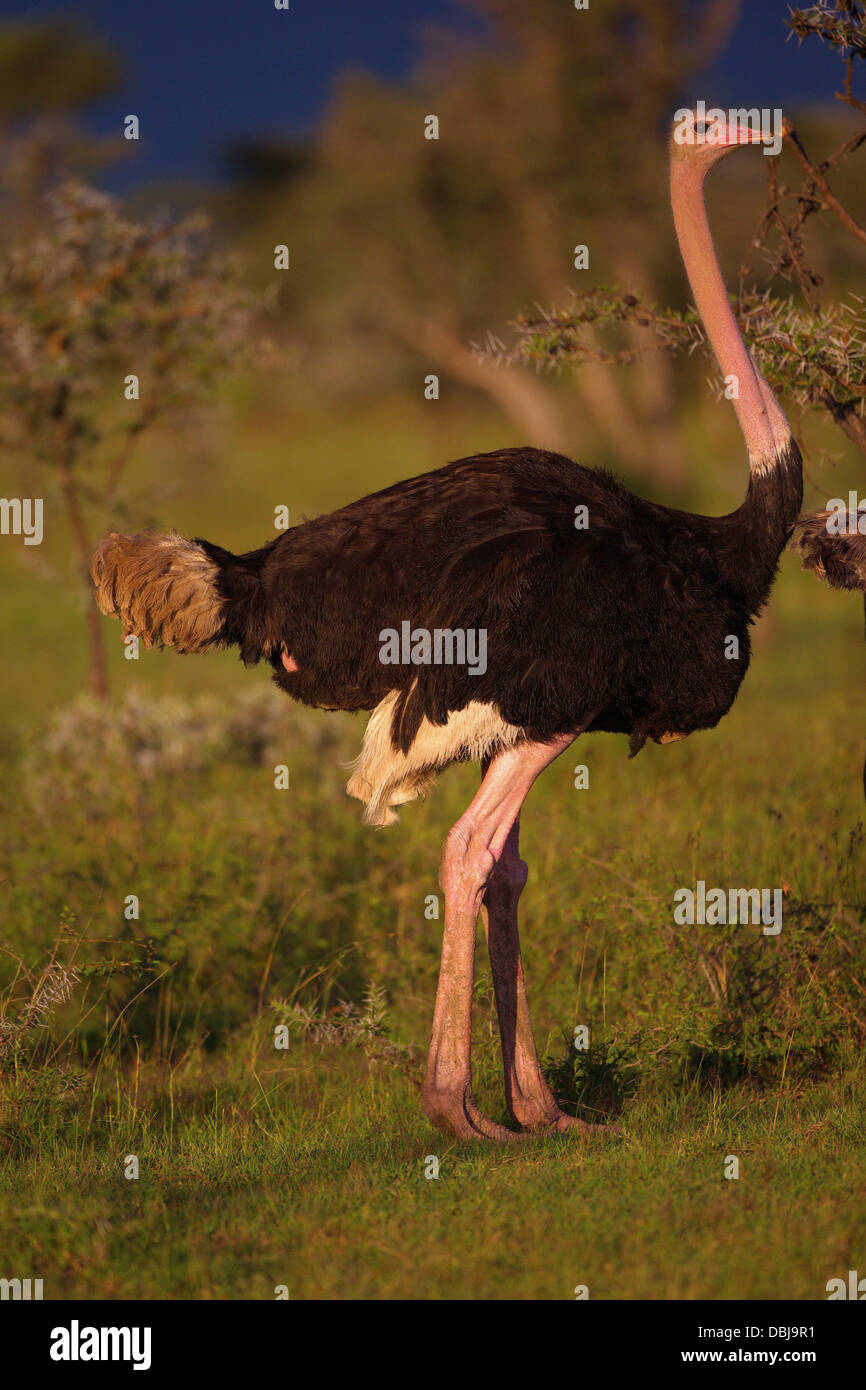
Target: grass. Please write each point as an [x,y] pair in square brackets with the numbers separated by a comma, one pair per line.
[153,1035]
[310,1174]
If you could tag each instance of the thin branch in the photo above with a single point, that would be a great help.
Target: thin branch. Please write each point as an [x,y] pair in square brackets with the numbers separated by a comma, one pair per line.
[815,173]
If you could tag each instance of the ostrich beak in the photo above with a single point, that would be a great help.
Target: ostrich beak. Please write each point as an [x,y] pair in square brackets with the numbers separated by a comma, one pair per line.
[748,135]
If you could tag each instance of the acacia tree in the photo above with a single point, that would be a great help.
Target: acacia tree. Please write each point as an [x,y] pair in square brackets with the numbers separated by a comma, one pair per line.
[107,325]
[811,349]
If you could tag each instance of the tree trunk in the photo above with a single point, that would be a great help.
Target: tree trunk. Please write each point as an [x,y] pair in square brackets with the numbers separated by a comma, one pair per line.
[529,406]
[97,666]
[655,400]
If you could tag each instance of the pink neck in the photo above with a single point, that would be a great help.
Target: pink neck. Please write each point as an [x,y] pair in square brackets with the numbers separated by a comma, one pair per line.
[762,421]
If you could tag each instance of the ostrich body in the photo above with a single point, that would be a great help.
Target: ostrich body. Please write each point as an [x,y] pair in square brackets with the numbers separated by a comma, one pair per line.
[621,624]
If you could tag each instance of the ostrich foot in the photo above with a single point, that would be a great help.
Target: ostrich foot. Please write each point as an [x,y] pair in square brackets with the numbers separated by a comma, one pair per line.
[536,1111]
[456,1114]
[570,1124]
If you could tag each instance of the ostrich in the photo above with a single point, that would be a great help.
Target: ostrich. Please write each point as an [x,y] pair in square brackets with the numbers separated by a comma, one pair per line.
[621,625]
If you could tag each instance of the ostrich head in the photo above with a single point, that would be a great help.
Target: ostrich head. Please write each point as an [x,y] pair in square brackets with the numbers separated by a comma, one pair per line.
[702,138]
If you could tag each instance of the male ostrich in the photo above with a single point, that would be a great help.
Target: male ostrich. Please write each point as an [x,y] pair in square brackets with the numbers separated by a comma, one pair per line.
[622,626]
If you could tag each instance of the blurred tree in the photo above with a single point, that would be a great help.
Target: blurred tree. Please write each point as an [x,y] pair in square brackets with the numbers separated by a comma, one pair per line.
[107,325]
[545,140]
[52,65]
[49,71]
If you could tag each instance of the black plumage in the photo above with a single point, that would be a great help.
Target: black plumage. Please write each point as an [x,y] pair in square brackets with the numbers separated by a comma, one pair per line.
[620,626]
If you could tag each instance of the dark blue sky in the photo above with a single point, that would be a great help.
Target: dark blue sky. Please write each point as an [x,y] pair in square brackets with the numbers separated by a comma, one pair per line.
[202,71]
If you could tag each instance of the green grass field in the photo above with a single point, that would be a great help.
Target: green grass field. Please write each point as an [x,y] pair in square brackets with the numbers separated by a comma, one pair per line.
[153,1036]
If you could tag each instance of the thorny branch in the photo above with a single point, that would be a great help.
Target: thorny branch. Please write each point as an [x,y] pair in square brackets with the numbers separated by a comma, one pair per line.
[816,353]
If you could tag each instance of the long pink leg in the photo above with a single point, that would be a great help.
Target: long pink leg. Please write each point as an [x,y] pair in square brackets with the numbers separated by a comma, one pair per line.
[472,851]
[529,1098]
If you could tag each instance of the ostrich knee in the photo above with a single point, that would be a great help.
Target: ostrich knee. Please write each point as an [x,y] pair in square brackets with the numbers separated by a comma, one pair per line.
[467,868]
